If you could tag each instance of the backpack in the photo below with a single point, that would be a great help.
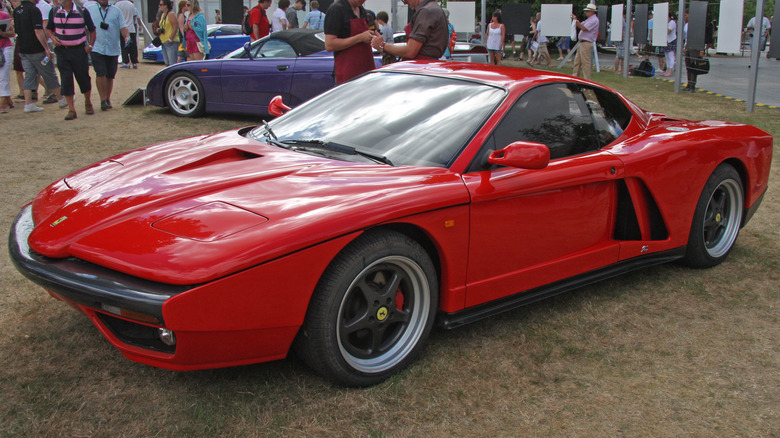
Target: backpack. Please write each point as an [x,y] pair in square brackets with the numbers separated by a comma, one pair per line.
[245,27]
[645,69]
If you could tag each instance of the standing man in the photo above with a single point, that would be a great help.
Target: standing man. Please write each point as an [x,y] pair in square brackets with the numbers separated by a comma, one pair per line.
[45,9]
[72,32]
[766,25]
[130,48]
[31,40]
[292,13]
[428,37]
[589,31]
[315,19]
[258,20]
[348,37]
[108,46]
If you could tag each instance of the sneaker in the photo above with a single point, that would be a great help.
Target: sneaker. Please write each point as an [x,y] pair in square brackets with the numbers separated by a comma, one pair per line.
[63,103]
[135,66]
[89,109]
[124,66]
[71,115]
[32,108]
[104,105]
[50,99]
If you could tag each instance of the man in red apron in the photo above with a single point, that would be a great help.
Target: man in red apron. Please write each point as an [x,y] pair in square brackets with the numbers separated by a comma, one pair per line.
[428,37]
[348,37]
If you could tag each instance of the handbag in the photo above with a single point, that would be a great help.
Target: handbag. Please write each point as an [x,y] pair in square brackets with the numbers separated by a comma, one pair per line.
[157,42]
[202,48]
[700,66]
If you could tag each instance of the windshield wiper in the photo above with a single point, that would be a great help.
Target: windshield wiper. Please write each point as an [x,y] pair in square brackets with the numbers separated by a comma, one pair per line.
[304,145]
[271,138]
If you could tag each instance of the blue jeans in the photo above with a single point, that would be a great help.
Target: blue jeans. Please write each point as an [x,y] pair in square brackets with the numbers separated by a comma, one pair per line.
[169,49]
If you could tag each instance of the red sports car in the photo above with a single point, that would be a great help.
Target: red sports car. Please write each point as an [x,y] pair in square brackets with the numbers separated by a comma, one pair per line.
[416,193]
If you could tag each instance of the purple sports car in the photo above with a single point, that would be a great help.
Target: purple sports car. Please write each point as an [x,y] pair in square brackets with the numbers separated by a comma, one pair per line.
[291,63]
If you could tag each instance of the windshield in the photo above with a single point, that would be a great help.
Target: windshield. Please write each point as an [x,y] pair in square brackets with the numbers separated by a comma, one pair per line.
[408,119]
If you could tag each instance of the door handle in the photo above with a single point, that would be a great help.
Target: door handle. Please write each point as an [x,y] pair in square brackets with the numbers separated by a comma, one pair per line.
[282,67]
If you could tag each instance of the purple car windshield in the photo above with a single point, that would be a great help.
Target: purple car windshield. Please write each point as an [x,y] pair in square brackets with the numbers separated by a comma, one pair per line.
[409,119]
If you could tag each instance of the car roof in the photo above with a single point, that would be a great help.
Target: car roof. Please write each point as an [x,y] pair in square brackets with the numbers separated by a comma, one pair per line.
[303,41]
[509,77]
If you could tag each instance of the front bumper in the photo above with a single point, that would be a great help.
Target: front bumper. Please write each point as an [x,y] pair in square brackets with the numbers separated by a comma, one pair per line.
[203,340]
[85,283]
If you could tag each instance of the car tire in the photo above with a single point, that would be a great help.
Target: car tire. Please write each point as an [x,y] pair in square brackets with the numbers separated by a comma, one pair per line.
[372,310]
[717,220]
[184,95]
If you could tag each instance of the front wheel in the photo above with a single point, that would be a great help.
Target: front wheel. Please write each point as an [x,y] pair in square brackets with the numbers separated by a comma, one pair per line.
[372,310]
[717,219]
[185,95]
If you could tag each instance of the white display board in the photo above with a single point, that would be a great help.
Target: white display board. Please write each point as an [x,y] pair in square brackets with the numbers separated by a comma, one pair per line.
[616,23]
[730,26]
[660,21]
[463,15]
[556,20]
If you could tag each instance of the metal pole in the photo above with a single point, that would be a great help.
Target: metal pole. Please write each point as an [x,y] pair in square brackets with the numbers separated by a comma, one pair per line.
[627,46]
[755,55]
[678,55]
[394,13]
[482,28]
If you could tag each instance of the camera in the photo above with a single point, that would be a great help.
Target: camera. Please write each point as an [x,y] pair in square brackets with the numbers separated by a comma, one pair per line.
[104,25]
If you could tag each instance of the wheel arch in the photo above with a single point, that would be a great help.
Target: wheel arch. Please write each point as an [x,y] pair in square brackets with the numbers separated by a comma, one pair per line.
[744,176]
[419,235]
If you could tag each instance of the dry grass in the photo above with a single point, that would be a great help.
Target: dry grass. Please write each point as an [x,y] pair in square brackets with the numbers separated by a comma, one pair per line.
[667,351]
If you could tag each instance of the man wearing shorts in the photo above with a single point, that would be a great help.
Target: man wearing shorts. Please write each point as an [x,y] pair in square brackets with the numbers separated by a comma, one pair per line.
[31,40]
[108,47]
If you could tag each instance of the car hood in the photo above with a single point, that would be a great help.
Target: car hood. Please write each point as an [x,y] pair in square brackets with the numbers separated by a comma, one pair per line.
[192,210]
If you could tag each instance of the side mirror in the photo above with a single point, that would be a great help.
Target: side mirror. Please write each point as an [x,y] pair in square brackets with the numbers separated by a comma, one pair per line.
[217,33]
[277,107]
[248,50]
[523,155]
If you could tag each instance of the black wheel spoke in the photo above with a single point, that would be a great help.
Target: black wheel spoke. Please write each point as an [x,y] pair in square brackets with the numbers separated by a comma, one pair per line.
[362,322]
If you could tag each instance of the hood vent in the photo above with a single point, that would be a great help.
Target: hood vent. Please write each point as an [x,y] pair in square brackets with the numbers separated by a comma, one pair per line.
[222,157]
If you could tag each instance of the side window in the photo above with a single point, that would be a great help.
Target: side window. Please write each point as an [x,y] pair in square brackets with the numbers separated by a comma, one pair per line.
[610,115]
[275,49]
[555,115]
[231,30]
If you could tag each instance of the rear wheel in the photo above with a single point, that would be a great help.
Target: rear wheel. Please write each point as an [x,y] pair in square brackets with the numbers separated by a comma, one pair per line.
[185,95]
[717,219]
[372,310]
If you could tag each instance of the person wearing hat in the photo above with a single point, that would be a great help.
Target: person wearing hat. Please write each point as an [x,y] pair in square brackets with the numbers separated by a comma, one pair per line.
[589,31]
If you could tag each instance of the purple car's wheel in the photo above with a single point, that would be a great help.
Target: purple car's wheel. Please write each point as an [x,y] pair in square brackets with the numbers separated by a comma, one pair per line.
[717,219]
[184,95]
[372,310]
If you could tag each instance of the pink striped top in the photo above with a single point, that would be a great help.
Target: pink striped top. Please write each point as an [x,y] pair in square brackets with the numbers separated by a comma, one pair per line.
[71,28]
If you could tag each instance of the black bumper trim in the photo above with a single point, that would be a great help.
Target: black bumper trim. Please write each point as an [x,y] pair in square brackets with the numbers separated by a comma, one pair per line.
[83,282]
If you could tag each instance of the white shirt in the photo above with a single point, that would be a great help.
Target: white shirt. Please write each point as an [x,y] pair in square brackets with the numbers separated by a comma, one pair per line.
[276,20]
[45,8]
[129,12]
[765,24]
